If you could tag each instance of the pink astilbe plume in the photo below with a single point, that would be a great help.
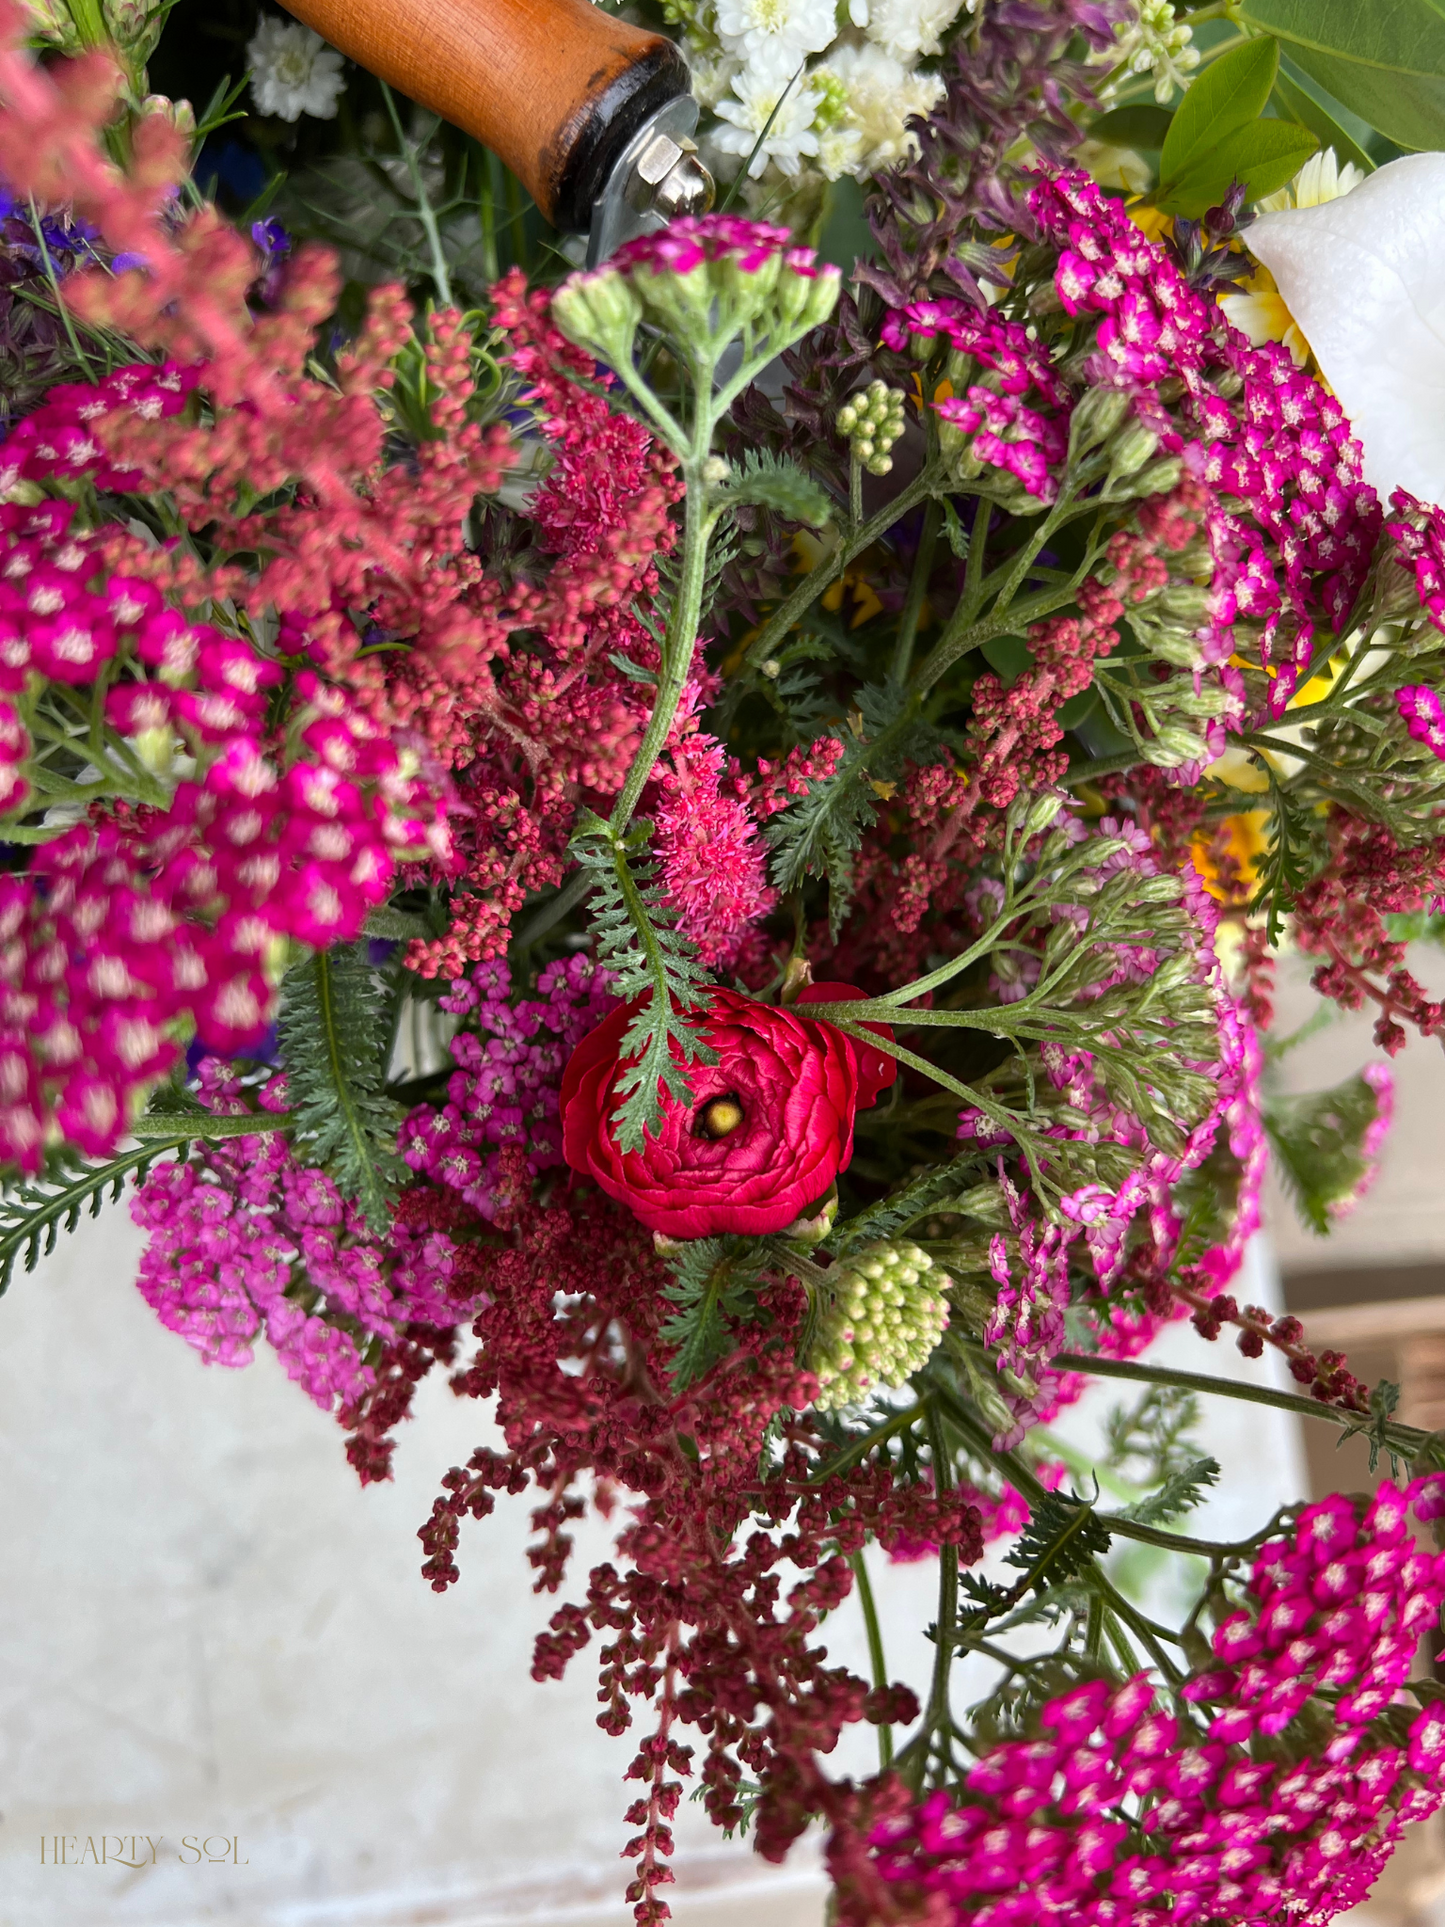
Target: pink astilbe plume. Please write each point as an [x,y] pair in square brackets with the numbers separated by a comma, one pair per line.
[713,861]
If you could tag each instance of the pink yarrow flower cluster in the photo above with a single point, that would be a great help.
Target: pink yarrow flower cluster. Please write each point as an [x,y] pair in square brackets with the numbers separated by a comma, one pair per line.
[1017,413]
[1118,1814]
[503,1093]
[693,240]
[1423,714]
[246,1240]
[1305,524]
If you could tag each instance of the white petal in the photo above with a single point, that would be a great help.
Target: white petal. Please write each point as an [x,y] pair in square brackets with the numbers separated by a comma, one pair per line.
[1365,279]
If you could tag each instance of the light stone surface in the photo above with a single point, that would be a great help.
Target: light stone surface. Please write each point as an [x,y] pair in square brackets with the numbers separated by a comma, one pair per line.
[210,1630]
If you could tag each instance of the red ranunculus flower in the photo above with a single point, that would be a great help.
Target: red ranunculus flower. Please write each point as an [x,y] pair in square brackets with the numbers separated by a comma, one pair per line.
[769,1128]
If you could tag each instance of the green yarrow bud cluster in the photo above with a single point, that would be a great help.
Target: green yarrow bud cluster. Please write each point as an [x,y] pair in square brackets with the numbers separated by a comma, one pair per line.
[886,1316]
[702,282]
[872,420]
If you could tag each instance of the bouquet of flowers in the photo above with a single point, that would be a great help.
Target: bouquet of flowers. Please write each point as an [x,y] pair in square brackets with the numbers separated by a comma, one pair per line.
[702,847]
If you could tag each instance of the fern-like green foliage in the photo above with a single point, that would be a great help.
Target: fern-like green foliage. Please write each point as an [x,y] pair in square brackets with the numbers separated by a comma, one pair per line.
[774,482]
[715,1279]
[942,1188]
[333,1036]
[1180,1493]
[820,833]
[34,1211]
[1319,1144]
[638,940]
[1285,866]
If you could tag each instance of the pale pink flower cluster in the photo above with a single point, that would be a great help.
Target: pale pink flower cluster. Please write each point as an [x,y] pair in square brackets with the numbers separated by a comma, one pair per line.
[246,1240]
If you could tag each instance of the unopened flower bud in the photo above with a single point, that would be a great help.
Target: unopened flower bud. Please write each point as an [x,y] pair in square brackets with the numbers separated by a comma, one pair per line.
[1130,449]
[715,470]
[1098,414]
[772,669]
[599,312]
[885,1316]
[1172,745]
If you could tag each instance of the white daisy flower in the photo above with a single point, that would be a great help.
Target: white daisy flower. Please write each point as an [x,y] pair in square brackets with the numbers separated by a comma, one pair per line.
[293,71]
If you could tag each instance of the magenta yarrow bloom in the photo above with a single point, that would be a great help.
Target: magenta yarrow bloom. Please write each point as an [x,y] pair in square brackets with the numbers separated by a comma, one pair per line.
[122,936]
[237,1225]
[693,239]
[1424,716]
[1418,538]
[57,440]
[1027,439]
[1306,523]
[1117,1815]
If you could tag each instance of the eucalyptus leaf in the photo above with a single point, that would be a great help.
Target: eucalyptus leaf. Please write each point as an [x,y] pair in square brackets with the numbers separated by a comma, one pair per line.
[1383,59]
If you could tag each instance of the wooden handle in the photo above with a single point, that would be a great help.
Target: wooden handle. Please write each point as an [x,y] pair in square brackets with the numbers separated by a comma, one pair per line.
[555,87]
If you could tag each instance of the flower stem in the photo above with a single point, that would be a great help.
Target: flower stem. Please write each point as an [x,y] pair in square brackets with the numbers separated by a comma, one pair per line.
[677,645]
[827,572]
[1408,1438]
[424,210]
[875,1652]
[917,589]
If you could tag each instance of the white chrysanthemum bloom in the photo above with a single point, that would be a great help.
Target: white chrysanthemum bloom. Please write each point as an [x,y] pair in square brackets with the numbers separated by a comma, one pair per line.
[1258,309]
[1364,277]
[912,29]
[712,76]
[293,71]
[756,92]
[872,94]
[775,32]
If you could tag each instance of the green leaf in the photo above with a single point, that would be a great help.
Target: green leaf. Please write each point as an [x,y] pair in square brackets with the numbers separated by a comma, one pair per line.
[638,940]
[716,1280]
[1318,1143]
[334,1036]
[33,1213]
[1224,98]
[1143,125]
[1383,59]
[1181,1492]
[773,482]
[1299,105]
[1265,155]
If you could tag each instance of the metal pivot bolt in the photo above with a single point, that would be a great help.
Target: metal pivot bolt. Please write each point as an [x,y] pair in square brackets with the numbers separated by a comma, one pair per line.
[656,178]
[669,179]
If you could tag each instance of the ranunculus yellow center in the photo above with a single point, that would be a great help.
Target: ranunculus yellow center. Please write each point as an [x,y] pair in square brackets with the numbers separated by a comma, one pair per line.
[720,1118]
